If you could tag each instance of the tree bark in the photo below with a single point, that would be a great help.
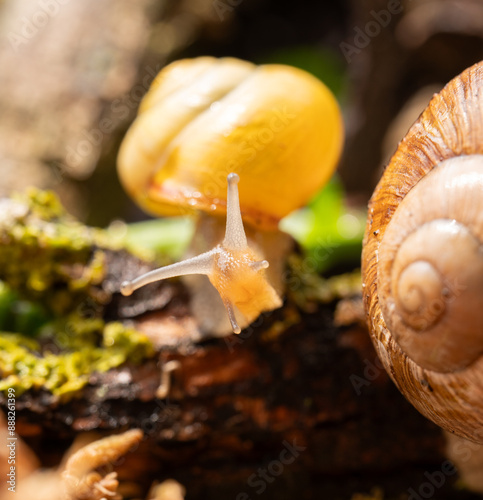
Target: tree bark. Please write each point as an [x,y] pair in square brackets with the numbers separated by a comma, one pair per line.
[295,381]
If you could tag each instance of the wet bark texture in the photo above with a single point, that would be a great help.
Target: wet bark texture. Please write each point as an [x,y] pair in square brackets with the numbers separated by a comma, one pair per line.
[295,381]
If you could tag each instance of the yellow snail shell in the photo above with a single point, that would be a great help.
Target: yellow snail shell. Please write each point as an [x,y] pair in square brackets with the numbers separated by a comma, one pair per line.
[278,127]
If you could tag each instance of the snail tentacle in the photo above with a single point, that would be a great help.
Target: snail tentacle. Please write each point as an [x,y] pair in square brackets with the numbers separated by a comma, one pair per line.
[201,264]
[235,237]
[231,316]
[258,266]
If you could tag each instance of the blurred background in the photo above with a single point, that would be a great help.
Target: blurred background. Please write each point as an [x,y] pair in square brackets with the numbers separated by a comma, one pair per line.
[74,72]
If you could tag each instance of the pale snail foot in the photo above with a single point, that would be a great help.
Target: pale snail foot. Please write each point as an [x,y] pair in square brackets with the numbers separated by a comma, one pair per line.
[232,267]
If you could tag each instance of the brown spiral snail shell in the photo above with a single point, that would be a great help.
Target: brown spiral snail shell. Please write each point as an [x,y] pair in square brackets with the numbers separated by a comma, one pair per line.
[422,260]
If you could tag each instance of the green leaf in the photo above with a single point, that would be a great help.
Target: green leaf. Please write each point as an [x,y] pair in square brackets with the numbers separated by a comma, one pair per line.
[329,232]
[169,236]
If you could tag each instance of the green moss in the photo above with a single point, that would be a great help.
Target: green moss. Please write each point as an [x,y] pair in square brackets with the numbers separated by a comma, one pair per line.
[86,346]
[51,267]
[307,287]
[46,255]
[21,316]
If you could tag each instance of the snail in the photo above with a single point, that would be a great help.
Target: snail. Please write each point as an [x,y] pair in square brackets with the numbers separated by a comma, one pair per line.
[206,123]
[422,260]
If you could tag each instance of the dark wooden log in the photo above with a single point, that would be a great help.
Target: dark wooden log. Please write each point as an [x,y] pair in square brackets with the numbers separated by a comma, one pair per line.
[294,381]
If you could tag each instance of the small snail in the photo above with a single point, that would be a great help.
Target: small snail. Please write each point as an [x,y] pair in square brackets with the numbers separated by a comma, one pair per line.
[275,128]
[422,260]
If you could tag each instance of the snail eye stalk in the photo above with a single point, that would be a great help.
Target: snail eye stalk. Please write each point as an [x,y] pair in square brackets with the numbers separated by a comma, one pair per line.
[235,238]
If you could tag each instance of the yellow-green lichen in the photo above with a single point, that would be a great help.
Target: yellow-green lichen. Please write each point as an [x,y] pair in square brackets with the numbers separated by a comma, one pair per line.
[51,267]
[46,255]
[85,347]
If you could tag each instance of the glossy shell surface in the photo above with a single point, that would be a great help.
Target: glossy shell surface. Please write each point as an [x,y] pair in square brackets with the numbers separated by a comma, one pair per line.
[450,127]
[276,126]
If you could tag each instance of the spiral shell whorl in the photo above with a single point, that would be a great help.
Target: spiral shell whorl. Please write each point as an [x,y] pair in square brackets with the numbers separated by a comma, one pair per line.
[418,290]
[430,269]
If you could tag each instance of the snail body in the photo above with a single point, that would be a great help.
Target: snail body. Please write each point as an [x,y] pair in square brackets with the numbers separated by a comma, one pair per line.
[233,268]
[422,260]
[204,121]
